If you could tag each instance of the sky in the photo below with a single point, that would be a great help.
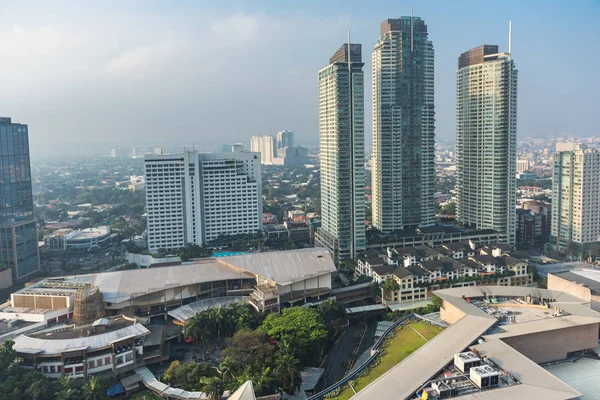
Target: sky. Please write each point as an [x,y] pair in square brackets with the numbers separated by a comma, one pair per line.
[167,73]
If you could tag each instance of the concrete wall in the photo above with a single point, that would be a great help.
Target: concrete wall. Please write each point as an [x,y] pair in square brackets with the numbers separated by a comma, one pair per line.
[40,301]
[577,290]
[450,313]
[554,345]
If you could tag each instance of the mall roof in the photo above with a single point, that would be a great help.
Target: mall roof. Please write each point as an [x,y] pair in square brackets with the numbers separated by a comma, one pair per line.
[282,267]
[285,267]
[58,346]
[407,377]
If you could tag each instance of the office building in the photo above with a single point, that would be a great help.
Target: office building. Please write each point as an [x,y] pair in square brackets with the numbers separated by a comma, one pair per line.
[403,126]
[195,197]
[18,231]
[486,132]
[533,223]
[265,146]
[341,130]
[285,139]
[576,202]
[522,166]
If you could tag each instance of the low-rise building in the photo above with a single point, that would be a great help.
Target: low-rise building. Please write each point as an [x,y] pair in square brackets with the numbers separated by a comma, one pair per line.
[83,239]
[417,270]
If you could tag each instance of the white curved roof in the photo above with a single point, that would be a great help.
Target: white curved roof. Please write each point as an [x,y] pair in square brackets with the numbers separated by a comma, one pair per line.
[58,346]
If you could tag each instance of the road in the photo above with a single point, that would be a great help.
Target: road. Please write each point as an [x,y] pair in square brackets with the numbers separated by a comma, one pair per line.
[341,351]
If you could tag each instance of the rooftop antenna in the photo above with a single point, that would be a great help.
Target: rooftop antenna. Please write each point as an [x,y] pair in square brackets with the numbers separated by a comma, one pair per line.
[411,29]
[509,37]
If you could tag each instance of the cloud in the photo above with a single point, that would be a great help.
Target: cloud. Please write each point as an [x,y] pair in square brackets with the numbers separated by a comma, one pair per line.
[141,57]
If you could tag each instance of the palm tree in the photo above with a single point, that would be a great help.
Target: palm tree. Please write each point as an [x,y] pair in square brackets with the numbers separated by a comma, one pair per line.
[287,371]
[92,389]
[39,390]
[190,331]
[219,319]
[226,369]
[213,387]
[67,391]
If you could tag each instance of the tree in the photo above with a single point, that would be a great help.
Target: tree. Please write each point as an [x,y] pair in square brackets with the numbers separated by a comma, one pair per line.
[213,387]
[67,391]
[301,327]
[92,389]
[437,302]
[375,290]
[249,348]
[390,286]
[226,369]
[287,372]
[40,390]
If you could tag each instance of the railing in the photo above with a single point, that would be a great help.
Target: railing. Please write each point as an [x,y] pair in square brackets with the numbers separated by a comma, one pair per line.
[375,353]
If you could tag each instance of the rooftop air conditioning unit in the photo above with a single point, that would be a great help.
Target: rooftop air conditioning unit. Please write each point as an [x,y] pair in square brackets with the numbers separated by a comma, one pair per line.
[465,361]
[484,376]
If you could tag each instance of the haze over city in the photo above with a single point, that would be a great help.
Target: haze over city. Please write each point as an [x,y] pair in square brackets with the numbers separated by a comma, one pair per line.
[154,73]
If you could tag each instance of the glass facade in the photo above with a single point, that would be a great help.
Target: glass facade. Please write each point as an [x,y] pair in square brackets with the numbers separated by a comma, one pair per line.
[18,235]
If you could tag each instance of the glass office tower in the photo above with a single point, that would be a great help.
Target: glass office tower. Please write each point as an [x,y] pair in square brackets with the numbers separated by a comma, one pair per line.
[18,233]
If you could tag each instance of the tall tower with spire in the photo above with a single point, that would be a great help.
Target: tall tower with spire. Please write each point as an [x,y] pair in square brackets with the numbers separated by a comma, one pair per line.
[342,147]
[403,126]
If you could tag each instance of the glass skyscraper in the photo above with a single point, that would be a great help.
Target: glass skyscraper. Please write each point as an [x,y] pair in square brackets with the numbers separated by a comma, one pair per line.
[486,136]
[342,147]
[18,233]
[403,168]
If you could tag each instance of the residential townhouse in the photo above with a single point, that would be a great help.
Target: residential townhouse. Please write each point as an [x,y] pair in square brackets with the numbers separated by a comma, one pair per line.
[417,270]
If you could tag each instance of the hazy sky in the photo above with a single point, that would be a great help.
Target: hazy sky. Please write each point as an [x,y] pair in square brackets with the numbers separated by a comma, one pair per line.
[182,72]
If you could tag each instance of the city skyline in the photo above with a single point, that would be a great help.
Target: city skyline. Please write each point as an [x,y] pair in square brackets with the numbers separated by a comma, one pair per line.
[128,92]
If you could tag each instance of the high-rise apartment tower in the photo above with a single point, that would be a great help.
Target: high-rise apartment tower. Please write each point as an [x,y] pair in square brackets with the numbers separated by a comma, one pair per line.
[341,130]
[18,232]
[195,197]
[403,169]
[576,202]
[264,145]
[486,133]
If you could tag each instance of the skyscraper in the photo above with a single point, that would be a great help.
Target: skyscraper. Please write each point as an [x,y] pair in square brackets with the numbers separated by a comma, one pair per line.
[486,132]
[341,130]
[195,197]
[403,126]
[265,146]
[18,232]
[285,139]
[576,202]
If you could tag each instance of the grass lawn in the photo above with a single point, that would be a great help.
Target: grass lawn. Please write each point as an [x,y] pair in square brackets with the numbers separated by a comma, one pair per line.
[396,349]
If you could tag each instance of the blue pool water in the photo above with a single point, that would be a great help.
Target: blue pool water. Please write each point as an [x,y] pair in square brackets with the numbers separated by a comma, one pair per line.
[228,253]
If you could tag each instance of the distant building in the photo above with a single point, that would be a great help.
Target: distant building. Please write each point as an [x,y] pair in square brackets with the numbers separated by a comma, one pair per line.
[137,183]
[294,156]
[265,146]
[576,202]
[522,166]
[285,139]
[195,197]
[341,132]
[116,152]
[18,231]
[84,239]
[486,136]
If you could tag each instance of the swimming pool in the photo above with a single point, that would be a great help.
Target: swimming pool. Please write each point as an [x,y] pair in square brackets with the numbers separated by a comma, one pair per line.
[228,253]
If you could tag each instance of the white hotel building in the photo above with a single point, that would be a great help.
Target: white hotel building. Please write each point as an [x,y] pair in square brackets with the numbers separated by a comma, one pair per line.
[194,197]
